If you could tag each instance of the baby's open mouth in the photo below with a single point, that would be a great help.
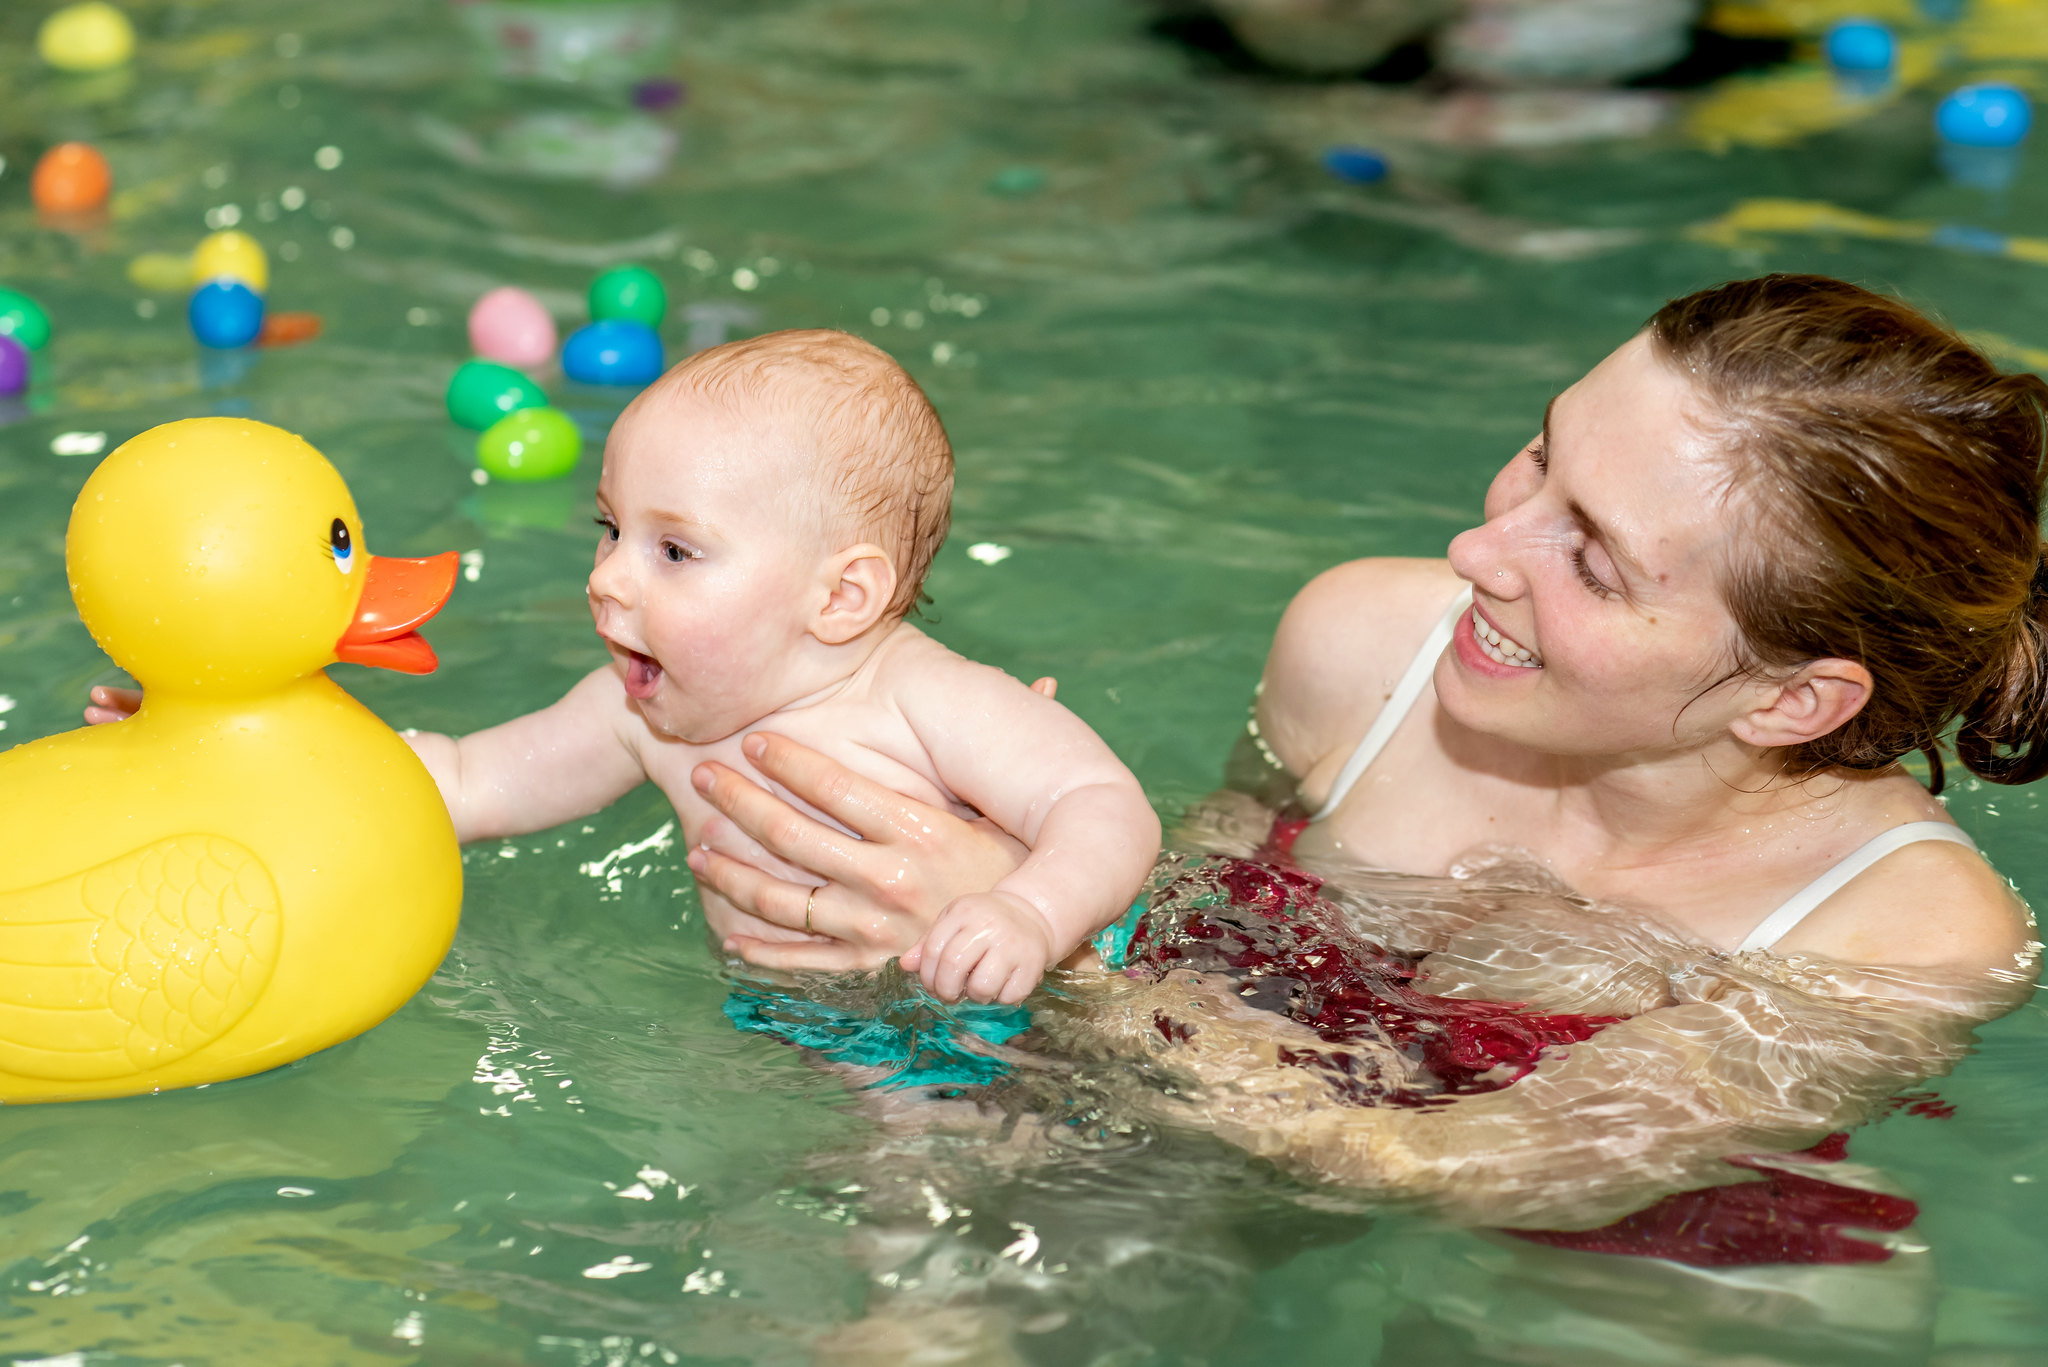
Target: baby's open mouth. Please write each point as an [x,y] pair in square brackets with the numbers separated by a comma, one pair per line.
[643,674]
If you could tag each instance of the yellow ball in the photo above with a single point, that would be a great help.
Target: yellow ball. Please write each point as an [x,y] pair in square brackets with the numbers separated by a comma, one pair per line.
[90,37]
[161,272]
[237,256]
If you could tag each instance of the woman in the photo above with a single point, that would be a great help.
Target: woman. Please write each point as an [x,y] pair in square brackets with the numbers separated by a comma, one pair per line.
[1778,541]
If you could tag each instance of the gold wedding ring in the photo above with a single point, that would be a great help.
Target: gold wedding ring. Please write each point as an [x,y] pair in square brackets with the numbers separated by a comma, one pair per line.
[810,903]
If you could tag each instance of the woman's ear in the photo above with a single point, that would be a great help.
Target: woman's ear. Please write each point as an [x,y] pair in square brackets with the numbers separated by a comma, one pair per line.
[1820,697]
[861,581]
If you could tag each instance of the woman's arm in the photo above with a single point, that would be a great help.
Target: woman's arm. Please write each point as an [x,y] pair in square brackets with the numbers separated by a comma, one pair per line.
[1740,1064]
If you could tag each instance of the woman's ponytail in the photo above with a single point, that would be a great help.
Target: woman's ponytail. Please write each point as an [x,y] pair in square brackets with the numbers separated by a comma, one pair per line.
[2004,733]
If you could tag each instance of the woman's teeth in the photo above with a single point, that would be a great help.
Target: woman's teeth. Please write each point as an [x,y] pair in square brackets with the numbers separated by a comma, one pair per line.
[1501,649]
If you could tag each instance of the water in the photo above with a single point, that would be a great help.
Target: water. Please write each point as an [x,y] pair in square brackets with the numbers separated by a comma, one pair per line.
[1184,370]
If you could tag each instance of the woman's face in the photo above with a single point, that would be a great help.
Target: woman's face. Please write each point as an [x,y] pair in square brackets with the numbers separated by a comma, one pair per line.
[1597,606]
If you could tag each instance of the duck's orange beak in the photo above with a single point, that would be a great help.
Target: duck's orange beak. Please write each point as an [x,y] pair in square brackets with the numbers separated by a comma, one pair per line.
[398,595]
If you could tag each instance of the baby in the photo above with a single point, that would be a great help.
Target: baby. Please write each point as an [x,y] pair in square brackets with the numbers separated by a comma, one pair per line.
[769,509]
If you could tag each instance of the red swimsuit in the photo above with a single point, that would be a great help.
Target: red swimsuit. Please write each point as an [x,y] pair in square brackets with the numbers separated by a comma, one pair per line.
[1247,919]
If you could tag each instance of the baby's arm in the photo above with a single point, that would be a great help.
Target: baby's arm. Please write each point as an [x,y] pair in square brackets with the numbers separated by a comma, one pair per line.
[564,761]
[1039,772]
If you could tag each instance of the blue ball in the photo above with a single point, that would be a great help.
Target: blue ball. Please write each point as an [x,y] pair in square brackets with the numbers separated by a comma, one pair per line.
[225,313]
[1989,115]
[1861,45]
[613,351]
[1355,164]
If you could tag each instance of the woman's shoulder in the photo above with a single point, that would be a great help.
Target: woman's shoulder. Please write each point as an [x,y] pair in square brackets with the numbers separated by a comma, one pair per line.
[1340,648]
[1933,904]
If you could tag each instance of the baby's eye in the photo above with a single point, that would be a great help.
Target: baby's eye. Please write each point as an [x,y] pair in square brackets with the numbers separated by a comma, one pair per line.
[676,554]
[611,528]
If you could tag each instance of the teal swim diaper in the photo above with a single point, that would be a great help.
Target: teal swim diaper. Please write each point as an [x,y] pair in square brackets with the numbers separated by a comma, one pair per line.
[920,1039]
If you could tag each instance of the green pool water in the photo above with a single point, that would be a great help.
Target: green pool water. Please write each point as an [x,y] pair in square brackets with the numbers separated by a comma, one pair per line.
[1183,369]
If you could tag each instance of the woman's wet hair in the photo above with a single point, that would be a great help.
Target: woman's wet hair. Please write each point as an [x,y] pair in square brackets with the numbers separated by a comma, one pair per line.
[1896,478]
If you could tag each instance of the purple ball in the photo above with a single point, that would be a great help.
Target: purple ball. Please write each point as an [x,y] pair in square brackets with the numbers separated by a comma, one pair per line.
[659,93]
[13,366]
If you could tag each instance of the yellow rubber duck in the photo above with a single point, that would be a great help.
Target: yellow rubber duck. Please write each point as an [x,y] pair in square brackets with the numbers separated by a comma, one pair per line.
[253,867]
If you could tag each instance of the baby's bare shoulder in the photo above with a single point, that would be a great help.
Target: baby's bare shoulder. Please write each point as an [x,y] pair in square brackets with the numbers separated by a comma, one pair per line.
[912,666]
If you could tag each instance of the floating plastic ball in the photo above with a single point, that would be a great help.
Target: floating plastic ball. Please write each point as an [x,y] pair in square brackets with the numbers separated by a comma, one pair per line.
[288,329]
[13,366]
[1988,115]
[613,351]
[509,325]
[1017,181]
[532,444]
[71,178]
[1860,47]
[658,93]
[89,37]
[631,292]
[225,314]
[23,319]
[161,272]
[1355,164]
[482,392]
[233,256]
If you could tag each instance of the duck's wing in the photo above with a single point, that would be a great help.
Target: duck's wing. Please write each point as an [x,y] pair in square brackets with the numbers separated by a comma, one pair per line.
[136,962]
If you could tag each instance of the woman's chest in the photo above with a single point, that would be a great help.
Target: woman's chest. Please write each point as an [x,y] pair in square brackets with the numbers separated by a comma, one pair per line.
[1418,811]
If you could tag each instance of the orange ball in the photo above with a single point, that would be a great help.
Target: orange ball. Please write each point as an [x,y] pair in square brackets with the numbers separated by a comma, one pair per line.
[288,329]
[71,178]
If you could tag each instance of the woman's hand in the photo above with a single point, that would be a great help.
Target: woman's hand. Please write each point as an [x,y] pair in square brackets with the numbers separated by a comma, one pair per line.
[112,704]
[882,892]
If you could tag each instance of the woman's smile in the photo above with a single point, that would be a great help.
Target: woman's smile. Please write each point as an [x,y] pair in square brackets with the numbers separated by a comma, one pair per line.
[1487,651]
[1499,646]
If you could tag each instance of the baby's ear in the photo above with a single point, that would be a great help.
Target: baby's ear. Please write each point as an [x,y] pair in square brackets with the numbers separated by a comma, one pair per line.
[862,581]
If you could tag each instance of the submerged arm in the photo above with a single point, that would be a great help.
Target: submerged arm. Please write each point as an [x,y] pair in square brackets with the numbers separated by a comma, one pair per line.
[1739,1064]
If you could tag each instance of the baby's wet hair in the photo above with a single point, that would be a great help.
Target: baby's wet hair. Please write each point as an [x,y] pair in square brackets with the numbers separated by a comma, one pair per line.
[882,453]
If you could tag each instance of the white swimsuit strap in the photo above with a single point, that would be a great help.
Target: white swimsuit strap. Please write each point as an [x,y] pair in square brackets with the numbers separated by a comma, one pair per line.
[1398,704]
[1800,905]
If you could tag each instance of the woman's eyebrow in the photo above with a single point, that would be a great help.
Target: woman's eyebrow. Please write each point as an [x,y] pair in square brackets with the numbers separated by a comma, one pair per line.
[1612,540]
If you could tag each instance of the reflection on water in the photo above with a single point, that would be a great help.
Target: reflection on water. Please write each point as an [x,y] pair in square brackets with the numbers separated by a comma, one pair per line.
[1184,370]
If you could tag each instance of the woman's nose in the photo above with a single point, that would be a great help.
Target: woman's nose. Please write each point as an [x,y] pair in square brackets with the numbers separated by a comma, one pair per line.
[1487,556]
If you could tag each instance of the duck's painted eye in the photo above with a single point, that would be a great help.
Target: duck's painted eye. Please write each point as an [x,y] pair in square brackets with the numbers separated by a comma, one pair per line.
[344,549]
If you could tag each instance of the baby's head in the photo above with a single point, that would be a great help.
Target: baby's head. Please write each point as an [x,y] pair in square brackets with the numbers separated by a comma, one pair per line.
[763,504]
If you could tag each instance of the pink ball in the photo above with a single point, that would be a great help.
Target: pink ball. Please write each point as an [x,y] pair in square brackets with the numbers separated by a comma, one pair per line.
[509,326]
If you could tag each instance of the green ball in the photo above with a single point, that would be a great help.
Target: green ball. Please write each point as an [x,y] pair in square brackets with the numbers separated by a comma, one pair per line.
[629,292]
[482,392]
[23,319]
[532,444]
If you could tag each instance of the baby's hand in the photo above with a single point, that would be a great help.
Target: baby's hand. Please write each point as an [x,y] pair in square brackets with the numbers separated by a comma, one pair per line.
[112,704]
[991,946]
